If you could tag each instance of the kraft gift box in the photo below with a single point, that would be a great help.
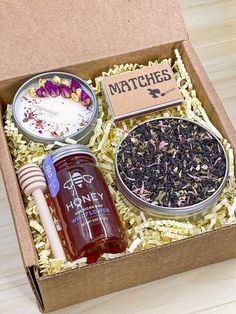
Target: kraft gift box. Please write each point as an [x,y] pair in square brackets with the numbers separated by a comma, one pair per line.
[86,38]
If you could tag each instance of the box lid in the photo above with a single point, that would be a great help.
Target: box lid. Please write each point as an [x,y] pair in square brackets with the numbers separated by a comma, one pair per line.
[49,35]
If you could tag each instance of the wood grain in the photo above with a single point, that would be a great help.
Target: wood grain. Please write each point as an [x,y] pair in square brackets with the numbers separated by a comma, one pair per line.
[212,289]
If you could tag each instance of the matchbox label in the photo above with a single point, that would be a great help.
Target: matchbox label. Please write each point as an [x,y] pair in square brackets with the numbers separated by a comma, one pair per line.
[141,91]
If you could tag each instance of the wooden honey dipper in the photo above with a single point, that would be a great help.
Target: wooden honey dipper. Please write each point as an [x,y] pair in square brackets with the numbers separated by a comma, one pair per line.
[32,182]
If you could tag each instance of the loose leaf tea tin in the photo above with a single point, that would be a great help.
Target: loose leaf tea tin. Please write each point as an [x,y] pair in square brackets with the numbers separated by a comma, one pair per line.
[171,167]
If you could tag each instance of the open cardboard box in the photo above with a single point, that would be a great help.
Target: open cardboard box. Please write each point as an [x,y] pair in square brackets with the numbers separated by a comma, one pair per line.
[86,38]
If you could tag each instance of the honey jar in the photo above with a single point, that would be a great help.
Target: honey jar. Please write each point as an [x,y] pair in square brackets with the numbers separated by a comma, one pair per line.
[89,219]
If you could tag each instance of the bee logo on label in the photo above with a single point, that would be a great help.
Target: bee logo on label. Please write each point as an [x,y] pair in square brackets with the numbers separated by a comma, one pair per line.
[77,180]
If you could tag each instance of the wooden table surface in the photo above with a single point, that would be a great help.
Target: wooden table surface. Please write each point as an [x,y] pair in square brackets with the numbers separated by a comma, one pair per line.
[211,289]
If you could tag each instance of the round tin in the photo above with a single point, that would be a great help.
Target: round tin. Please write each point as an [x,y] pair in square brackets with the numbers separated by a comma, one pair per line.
[192,212]
[82,136]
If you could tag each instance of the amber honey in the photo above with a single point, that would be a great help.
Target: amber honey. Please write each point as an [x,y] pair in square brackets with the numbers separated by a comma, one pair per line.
[89,219]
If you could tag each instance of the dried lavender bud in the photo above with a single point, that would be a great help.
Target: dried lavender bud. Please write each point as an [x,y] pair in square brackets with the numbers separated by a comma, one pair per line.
[171,162]
[52,88]
[41,92]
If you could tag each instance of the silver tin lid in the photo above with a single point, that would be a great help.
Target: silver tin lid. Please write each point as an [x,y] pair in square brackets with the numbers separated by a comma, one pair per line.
[68,150]
[191,212]
[83,135]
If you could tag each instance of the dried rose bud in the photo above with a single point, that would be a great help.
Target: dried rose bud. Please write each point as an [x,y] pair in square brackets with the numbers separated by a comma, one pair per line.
[52,88]
[65,91]
[74,85]
[85,97]
[41,92]
[75,97]
[65,82]
[56,80]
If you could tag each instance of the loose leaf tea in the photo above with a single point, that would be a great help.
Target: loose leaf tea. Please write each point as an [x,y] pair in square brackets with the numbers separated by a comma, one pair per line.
[171,162]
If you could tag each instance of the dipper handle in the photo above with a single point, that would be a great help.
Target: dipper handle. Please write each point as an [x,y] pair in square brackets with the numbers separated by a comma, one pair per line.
[32,182]
[48,224]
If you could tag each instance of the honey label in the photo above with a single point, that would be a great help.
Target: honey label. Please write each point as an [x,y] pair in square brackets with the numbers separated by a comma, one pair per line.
[51,176]
[141,91]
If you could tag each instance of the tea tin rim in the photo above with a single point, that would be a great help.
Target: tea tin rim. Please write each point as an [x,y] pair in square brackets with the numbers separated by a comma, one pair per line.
[157,210]
[78,136]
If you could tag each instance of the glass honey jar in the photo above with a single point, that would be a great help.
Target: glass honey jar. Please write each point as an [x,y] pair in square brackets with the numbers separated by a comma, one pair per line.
[89,219]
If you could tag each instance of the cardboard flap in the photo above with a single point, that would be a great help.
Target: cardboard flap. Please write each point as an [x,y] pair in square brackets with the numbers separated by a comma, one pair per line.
[40,36]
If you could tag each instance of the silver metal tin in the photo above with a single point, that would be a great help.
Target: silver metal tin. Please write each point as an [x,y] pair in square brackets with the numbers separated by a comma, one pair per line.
[68,150]
[81,136]
[192,212]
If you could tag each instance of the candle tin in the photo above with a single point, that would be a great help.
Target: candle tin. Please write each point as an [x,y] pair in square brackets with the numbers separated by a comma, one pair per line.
[191,212]
[81,135]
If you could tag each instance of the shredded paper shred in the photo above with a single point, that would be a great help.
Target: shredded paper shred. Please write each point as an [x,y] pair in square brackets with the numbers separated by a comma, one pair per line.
[143,232]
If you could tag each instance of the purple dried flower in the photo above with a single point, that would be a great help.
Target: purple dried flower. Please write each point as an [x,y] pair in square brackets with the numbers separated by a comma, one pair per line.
[41,92]
[85,97]
[74,85]
[52,88]
[65,91]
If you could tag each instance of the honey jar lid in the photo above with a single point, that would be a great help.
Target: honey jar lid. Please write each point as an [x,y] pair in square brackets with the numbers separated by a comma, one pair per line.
[73,149]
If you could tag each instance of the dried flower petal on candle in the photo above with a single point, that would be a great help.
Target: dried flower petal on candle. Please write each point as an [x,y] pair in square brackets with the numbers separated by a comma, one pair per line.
[52,88]
[65,91]
[85,98]
[41,92]
[74,85]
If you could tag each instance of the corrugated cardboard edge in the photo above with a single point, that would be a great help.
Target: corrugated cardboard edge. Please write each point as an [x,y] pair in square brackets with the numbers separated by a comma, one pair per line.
[33,276]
